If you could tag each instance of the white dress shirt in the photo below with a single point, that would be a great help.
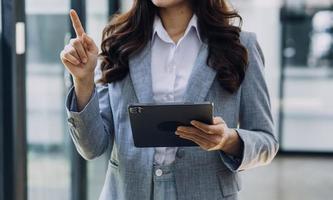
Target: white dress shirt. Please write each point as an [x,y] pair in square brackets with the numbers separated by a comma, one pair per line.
[171,66]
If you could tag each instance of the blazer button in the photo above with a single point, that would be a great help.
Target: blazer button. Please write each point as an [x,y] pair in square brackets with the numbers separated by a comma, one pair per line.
[71,121]
[180,153]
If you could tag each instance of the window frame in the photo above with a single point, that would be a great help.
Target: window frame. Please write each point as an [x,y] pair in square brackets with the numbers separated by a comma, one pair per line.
[13,122]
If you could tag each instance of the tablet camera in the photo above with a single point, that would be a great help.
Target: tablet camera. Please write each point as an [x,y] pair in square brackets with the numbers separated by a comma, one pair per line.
[136,110]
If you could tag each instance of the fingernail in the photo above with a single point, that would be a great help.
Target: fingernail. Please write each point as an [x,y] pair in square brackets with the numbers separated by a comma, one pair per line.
[176,133]
[84,60]
[192,122]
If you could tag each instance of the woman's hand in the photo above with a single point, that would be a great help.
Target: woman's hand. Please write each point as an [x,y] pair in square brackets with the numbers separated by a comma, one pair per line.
[80,59]
[80,55]
[213,137]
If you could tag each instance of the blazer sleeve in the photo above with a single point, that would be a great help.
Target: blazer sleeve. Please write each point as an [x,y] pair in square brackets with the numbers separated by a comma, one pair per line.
[92,128]
[256,128]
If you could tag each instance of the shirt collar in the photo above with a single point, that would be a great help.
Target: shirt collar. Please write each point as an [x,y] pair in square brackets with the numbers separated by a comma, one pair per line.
[162,33]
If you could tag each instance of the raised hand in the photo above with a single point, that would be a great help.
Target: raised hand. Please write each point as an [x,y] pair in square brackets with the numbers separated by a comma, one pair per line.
[80,55]
[80,59]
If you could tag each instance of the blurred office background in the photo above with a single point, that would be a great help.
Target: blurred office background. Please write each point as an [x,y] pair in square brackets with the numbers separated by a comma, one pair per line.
[37,157]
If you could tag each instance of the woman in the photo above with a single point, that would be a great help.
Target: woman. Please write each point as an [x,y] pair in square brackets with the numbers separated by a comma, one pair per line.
[171,50]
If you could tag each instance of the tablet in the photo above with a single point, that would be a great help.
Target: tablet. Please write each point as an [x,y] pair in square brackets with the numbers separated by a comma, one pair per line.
[154,125]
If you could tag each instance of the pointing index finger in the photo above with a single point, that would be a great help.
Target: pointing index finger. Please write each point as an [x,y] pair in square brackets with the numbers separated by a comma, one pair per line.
[76,23]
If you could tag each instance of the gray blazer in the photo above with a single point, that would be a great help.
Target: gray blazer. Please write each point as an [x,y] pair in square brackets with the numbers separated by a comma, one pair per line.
[199,174]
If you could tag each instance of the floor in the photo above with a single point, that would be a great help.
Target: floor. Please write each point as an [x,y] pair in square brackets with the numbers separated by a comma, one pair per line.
[286,178]
[290,178]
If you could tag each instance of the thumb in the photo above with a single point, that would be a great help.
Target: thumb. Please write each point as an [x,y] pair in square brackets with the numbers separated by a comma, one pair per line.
[89,43]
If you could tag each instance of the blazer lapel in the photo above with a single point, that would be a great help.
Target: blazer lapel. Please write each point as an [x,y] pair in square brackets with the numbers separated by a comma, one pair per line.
[201,78]
[140,73]
[200,81]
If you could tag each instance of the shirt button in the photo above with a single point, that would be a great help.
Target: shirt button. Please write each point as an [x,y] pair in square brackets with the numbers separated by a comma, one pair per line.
[158,172]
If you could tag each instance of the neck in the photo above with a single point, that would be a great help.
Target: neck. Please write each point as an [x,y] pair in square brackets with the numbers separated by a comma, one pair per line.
[175,19]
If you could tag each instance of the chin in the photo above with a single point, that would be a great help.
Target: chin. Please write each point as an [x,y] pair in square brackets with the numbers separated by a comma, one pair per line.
[167,3]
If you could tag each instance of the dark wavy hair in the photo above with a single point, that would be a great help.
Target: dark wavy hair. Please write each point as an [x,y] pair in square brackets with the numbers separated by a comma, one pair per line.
[128,33]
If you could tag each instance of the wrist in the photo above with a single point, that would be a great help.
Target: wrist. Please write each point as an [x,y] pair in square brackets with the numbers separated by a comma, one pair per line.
[83,90]
[234,144]
[87,82]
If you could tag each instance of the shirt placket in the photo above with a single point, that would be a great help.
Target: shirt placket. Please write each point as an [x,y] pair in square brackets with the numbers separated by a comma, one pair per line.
[171,69]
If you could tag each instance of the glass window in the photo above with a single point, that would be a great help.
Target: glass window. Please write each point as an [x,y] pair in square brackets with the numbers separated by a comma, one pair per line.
[308,76]
[96,19]
[47,135]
